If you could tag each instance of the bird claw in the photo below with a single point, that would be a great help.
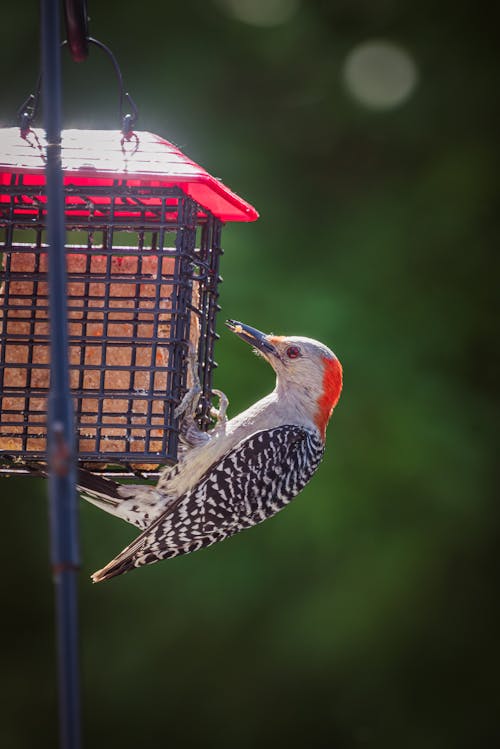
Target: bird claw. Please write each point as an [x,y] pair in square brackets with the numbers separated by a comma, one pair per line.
[189,402]
[190,434]
[219,414]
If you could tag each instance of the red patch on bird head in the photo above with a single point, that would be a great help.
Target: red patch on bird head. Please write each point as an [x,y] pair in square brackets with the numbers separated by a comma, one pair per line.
[332,387]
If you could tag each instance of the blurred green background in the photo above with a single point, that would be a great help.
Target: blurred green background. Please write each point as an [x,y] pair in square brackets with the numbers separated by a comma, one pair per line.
[365,614]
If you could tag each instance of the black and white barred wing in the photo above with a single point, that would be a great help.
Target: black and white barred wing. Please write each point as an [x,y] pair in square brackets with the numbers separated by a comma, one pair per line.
[250,483]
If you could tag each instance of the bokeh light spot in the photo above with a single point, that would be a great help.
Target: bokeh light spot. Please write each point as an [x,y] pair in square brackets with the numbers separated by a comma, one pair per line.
[261,12]
[380,74]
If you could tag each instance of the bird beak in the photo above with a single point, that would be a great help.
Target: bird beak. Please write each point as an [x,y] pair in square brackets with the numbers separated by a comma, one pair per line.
[252,336]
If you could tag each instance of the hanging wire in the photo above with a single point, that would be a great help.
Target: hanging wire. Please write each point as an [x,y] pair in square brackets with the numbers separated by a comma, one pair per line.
[29,108]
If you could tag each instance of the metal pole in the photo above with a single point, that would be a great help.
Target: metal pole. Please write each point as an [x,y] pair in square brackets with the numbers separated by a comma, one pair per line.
[62,475]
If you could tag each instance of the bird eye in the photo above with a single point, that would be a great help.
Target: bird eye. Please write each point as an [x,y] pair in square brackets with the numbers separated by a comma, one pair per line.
[293,352]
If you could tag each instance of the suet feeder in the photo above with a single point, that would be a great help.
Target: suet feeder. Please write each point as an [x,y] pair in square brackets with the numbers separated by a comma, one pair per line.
[143,242]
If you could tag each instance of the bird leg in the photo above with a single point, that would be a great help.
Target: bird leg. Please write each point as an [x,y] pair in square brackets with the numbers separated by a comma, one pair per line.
[188,405]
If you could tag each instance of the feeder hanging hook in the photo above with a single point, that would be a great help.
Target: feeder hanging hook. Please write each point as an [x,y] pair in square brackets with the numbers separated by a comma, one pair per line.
[76,21]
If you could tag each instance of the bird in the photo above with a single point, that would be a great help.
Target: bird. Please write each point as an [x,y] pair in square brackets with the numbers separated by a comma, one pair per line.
[242,471]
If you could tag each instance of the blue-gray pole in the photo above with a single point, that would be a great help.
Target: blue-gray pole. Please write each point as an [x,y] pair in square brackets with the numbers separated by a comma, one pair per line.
[62,475]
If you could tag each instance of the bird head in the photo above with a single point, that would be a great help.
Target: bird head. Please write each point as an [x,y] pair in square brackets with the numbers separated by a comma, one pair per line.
[309,375]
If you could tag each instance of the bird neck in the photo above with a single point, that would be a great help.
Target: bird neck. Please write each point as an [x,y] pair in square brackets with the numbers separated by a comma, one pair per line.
[331,389]
[296,402]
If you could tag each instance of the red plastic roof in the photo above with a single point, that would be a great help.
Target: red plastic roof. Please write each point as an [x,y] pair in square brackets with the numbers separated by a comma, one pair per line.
[96,157]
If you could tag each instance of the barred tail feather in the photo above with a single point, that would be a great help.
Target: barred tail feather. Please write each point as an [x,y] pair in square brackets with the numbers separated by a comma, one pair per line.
[123,562]
[112,569]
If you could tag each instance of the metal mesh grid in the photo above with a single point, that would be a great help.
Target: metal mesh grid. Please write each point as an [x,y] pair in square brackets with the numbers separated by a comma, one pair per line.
[142,286]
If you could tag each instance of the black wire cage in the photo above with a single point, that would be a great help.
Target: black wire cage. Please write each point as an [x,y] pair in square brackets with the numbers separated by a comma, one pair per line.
[143,242]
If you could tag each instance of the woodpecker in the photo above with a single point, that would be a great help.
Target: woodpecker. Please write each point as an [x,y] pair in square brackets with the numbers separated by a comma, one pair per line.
[241,472]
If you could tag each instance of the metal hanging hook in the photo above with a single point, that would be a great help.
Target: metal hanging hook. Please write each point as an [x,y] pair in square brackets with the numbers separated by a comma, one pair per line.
[129,118]
[28,110]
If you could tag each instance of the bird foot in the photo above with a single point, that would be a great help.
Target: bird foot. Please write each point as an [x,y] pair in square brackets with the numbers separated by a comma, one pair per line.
[219,414]
[188,405]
